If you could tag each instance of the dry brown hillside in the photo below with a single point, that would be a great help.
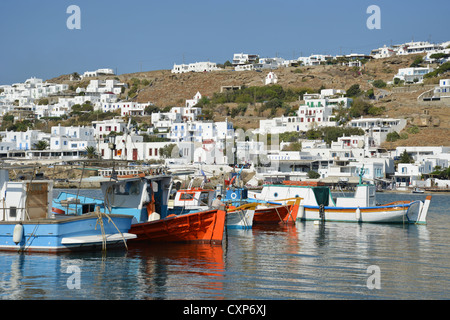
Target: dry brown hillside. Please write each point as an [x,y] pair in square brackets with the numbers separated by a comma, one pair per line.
[433,120]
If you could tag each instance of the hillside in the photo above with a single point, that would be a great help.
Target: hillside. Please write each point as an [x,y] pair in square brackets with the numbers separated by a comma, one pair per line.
[433,120]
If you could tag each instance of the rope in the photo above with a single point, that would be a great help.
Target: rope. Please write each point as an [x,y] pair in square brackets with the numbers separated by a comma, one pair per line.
[107,206]
[100,221]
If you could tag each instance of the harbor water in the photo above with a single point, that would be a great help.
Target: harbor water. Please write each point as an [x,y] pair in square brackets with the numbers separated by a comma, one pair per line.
[326,261]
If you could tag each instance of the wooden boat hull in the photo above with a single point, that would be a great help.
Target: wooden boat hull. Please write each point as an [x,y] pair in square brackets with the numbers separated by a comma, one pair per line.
[240,219]
[276,214]
[203,226]
[402,212]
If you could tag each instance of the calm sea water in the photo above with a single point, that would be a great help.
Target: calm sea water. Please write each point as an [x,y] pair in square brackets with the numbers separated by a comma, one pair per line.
[305,261]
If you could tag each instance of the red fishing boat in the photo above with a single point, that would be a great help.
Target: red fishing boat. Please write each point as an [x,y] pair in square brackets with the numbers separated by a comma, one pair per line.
[278,214]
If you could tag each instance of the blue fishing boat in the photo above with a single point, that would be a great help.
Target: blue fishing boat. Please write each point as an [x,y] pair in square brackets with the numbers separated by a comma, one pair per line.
[27,223]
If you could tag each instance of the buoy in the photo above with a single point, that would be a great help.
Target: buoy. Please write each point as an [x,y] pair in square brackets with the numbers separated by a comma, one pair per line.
[18,233]
[302,212]
[154,216]
[358,214]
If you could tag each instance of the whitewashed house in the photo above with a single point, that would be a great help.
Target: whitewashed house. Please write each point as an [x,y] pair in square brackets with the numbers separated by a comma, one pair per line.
[98,72]
[316,111]
[271,78]
[244,59]
[443,90]
[127,108]
[72,138]
[410,75]
[383,52]
[16,140]
[195,67]
[378,128]
[103,86]
[103,128]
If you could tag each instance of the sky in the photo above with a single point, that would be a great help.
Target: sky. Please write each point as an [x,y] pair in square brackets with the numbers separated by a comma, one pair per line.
[145,35]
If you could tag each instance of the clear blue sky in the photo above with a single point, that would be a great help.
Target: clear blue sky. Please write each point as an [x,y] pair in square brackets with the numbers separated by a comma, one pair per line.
[128,35]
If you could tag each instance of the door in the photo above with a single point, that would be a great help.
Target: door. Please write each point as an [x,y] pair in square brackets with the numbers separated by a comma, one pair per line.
[37,202]
[135,154]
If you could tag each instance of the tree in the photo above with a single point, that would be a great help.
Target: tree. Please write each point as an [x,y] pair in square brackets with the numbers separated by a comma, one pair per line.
[354,91]
[91,152]
[417,62]
[40,145]
[167,150]
[405,157]
[379,84]
[392,136]
[313,174]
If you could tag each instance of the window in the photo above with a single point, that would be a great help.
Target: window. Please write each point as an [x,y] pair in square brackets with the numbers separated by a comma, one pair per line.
[187,196]
[150,152]
[13,212]
[128,188]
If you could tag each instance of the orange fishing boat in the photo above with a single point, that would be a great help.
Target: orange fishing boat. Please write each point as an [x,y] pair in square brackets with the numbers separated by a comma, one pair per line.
[203,227]
[146,199]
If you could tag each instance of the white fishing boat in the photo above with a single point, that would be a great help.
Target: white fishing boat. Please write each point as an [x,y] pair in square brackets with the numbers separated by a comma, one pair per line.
[318,204]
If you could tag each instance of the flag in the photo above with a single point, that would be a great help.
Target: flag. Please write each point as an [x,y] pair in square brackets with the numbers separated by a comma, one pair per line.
[204,176]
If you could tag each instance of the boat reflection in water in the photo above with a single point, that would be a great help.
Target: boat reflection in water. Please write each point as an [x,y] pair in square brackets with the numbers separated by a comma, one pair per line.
[164,270]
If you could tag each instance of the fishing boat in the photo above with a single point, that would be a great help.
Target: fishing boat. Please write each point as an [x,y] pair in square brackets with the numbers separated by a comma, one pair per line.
[200,199]
[145,200]
[264,211]
[318,204]
[418,190]
[28,224]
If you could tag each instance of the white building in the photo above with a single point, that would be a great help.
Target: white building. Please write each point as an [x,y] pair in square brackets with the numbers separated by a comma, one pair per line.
[103,128]
[103,86]
[378,128]
[315,59]
[416,47]
[272,63]
[244,67]
[443,91]
[271,78]
[32,89]
[72,138]
[244,58]
[198,131]
[383,52]
[410,75]
[195,67]
[127,108]
[98,72]
[12,140]
[317,111]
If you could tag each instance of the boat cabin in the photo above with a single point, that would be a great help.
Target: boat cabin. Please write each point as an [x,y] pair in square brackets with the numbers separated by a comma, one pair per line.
[138,196]
[25,200]
[194,198]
